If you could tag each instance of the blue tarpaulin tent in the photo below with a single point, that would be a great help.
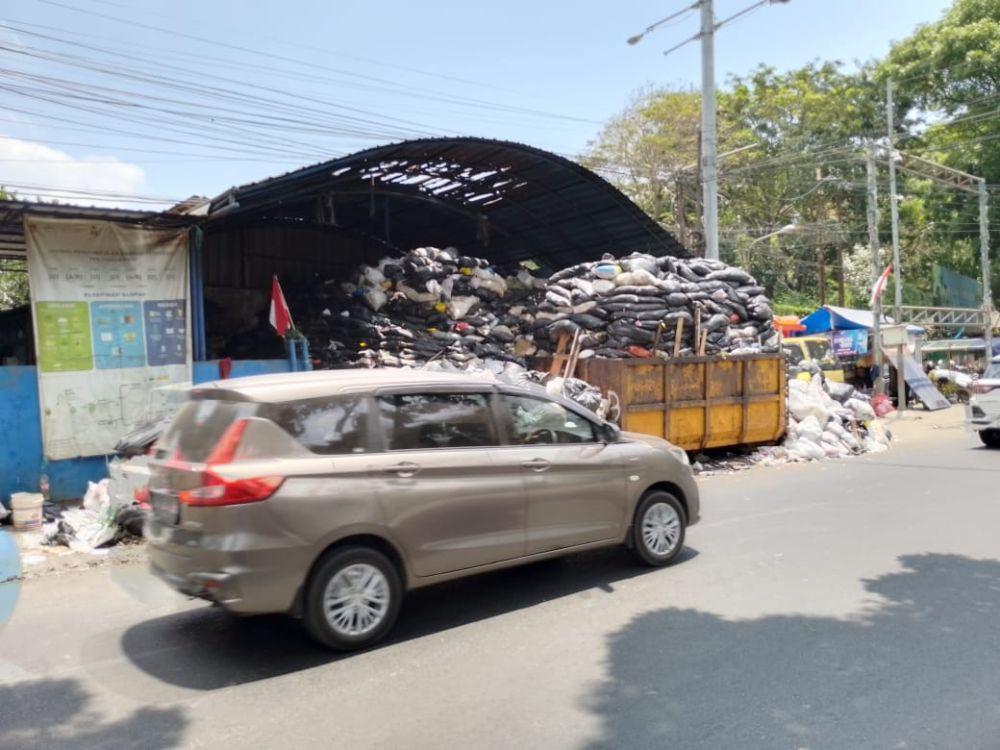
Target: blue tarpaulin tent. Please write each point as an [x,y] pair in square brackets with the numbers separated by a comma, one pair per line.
[831,318]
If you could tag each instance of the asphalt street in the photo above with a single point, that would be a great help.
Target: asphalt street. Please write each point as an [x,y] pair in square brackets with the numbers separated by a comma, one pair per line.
[845,604]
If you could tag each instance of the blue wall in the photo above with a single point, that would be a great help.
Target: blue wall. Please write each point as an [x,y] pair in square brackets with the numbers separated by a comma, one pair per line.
[21,460]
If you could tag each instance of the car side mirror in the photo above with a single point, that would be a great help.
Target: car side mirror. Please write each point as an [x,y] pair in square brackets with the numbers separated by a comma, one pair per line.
[609,432]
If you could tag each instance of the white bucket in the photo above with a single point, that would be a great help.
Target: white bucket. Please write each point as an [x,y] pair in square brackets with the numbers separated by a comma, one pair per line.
[27,507]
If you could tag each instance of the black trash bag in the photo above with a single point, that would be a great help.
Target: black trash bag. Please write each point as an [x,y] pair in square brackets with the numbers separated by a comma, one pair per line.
[130,520]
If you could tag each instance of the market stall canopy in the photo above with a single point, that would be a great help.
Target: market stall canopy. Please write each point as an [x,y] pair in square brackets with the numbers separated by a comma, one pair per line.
[504,201]
[831,318]
[958,346]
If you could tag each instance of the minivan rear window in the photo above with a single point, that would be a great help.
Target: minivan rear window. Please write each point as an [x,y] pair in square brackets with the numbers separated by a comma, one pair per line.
[329,426]
[198,426]
[417,421]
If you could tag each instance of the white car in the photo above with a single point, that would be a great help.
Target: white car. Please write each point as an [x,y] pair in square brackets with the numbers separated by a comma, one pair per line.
[983,414]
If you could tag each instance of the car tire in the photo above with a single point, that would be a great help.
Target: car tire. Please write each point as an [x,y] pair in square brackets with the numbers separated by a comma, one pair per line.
[352,598]
[990,438]
[657,514]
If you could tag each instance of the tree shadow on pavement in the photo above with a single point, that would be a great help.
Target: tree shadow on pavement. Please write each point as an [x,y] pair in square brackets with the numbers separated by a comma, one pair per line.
[55,714]
[206,649]
[921,669]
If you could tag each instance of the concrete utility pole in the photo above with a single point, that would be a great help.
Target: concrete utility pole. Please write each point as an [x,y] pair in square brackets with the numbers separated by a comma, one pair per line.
[876,269]
[897,272]
[709,167]
[984,259]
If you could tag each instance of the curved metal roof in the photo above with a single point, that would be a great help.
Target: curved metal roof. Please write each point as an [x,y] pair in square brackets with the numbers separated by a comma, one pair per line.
[504,201]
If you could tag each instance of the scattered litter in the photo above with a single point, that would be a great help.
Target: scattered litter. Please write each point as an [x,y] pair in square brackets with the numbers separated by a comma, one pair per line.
[825,420]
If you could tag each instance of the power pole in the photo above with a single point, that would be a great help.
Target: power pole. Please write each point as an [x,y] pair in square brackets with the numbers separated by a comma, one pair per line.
[876,270]
[897,272]
[984,259]
[709,171]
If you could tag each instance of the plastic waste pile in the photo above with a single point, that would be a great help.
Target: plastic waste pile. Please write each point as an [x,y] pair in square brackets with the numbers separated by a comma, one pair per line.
[108,513]
[619,305]
[828,420]
[428,305]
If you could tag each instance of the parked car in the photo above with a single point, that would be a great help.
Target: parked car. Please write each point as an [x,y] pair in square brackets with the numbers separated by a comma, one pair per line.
[815,349]
[983,410]
[329,494]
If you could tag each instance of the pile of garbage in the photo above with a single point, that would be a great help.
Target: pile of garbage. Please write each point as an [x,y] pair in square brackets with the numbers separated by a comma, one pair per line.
[829,420]
[630,306]
[109,513]
[433,304]
[430,304]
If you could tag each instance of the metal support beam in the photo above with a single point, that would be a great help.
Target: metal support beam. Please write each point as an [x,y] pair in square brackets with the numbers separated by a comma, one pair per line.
[197,294]
[984,259]
[876,264]
[897,272]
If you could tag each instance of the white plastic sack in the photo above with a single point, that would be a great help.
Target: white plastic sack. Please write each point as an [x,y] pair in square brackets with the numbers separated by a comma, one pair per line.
[862,410]
[809,429]
[458,307]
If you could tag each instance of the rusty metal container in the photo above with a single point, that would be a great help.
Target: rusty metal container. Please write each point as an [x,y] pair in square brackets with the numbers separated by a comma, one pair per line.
[697,402]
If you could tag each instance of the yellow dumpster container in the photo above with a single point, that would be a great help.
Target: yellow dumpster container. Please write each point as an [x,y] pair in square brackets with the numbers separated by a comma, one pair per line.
[697,402]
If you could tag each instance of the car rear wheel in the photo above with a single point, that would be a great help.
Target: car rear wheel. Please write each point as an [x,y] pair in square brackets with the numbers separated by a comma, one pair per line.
[353,598]
[658,529]
[990,438]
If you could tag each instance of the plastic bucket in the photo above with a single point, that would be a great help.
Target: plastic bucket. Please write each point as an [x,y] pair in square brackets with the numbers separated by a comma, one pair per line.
[27,507]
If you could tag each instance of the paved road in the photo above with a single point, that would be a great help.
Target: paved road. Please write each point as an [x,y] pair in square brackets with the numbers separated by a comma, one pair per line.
[853,604]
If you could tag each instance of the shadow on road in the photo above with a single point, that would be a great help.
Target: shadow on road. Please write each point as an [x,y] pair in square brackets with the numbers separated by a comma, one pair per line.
[921,669]
[206,649]
[55,714]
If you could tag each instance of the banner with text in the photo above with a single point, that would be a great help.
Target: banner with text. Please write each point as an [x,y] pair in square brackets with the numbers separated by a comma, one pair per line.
[110,306]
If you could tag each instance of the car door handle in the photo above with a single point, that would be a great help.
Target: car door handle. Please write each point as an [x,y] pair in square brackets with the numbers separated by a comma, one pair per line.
[536,464]
[404,470]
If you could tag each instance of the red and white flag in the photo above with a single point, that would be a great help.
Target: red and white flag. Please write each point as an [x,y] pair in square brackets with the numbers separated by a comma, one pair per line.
[280,317]
[880,284]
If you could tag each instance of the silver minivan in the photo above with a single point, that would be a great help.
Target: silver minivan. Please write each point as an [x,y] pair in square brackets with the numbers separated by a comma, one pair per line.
[329,494]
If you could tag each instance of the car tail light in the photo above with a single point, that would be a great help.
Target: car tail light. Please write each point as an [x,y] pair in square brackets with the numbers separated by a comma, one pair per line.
[982,388]
[141,494]
[216,490]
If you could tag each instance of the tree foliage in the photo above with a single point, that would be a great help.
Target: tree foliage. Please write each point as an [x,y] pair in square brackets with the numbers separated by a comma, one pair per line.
[803,180]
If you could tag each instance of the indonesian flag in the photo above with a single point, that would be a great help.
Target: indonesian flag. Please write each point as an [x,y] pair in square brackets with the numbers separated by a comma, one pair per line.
[280,317]
[879,285]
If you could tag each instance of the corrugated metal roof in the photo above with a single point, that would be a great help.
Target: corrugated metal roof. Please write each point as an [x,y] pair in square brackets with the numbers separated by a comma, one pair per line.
[505,201]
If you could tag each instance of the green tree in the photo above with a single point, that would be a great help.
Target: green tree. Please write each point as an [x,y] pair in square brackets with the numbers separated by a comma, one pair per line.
[947,80]
[13,275]
[646,149]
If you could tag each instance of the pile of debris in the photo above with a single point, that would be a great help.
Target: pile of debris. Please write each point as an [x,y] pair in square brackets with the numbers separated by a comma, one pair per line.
[110,511]
[431,304]
[629,307]
[826,419]
[434,304]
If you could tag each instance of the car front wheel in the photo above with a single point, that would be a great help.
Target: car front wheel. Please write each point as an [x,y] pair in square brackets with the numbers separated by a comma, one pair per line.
[353,598]
[990,438]
[658,529]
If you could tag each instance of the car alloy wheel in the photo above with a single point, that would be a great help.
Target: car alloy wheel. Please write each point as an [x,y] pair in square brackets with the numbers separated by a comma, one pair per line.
[356,600]
[661,529]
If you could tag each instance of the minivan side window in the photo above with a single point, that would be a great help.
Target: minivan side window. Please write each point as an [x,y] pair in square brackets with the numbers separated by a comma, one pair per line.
[535,421]
[328,426]
[415,421]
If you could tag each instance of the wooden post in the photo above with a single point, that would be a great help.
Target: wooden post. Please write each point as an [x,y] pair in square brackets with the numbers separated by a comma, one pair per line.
[656,338]
[696,334]
[677,337]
